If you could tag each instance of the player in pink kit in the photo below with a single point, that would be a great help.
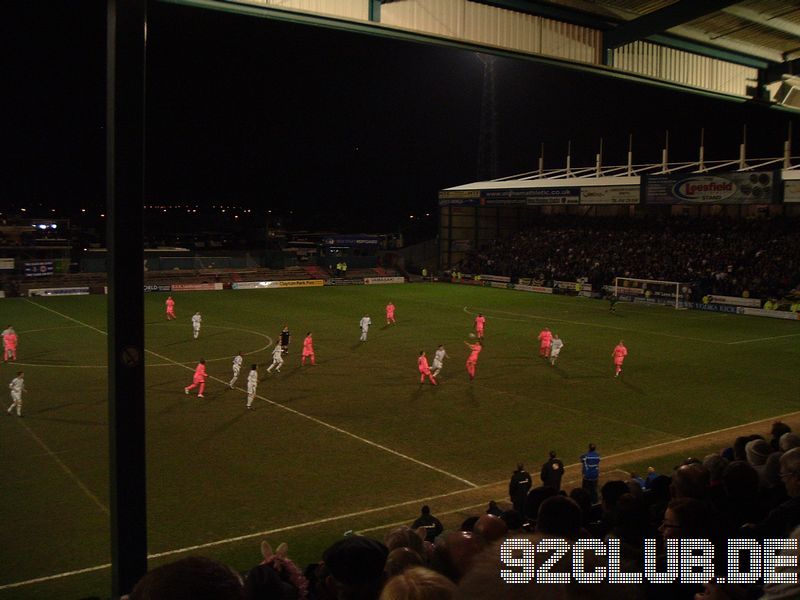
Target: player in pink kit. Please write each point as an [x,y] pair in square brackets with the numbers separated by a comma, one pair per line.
[390,313]
[308,350]
[199,379]
[9,344]
[480,321]
[424,369]
[619,354]
[472,359]
[545,337]
[170,308]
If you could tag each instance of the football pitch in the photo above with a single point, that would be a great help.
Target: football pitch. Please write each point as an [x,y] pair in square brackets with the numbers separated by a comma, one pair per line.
[354,442]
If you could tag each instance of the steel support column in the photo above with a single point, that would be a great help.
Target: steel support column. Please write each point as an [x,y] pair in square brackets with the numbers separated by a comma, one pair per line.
[125,73]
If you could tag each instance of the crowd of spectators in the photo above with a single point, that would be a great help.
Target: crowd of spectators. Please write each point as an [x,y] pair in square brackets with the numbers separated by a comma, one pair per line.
[718,256]
[748,490]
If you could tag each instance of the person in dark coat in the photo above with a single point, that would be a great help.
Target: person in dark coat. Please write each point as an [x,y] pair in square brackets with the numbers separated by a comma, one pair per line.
[285,335]
[433,526]
[518,488]
[552,472]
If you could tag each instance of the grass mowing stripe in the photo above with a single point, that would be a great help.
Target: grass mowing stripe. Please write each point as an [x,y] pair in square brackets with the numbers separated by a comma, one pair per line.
[288,409]
[626,329]
[66,469]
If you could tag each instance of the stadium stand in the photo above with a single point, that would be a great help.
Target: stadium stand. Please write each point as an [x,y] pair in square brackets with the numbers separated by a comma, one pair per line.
[716,256]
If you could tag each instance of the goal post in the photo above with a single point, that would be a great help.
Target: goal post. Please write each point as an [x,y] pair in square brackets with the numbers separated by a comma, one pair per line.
[648,288]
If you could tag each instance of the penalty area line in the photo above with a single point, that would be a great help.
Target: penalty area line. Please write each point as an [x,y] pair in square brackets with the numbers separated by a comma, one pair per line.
[765,339]
[66,470]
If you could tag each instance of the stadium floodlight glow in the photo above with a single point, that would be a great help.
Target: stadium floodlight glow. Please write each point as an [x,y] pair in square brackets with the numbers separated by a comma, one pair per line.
[53,226]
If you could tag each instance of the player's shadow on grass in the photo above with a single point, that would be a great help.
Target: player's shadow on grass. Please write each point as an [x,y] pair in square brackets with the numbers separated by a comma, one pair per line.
[633,388]
[471,396]
[420,391]
[222,428]
[35,417]
[175,406]
[565,375]
[287,373]
[60,406]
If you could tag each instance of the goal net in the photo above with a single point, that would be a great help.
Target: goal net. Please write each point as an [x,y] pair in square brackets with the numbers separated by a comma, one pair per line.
[662,292]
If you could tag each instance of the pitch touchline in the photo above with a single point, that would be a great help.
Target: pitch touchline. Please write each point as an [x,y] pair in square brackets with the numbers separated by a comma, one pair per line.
[286,408]
[379,509]
[529,317]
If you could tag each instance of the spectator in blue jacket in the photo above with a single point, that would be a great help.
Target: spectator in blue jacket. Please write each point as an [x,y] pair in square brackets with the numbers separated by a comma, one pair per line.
[590,464]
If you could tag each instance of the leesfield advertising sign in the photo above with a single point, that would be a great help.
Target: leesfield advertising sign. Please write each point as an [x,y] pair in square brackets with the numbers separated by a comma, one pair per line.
[756,187]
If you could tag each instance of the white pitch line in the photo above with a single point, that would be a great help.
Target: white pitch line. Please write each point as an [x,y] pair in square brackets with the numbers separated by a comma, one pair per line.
[292,410]
[626,329]
[766,339]
[382,508]
[66,469]
[27,582]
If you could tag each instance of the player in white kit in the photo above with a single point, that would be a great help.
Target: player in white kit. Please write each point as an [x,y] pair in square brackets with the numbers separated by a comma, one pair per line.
[555,349]
[237,366]
[277,359]
[252,384]
[364,323]
[438,360]
[196,321]
[17,386]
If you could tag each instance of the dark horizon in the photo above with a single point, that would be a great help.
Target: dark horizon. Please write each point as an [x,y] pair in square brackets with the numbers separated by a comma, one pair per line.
[350,132]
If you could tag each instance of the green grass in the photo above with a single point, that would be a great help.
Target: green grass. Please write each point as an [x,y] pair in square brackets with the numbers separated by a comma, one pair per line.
[216,471]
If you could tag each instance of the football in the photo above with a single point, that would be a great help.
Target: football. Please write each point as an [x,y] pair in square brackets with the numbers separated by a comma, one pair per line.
[472,335]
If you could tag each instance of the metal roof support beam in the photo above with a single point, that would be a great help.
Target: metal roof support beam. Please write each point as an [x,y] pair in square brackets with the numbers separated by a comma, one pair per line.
[776,23]
[553,11]
[375,10]
[659,21]
[268,12]
[687,45]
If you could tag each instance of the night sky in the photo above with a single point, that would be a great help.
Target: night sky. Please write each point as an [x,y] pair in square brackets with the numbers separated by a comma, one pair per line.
[350,132]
